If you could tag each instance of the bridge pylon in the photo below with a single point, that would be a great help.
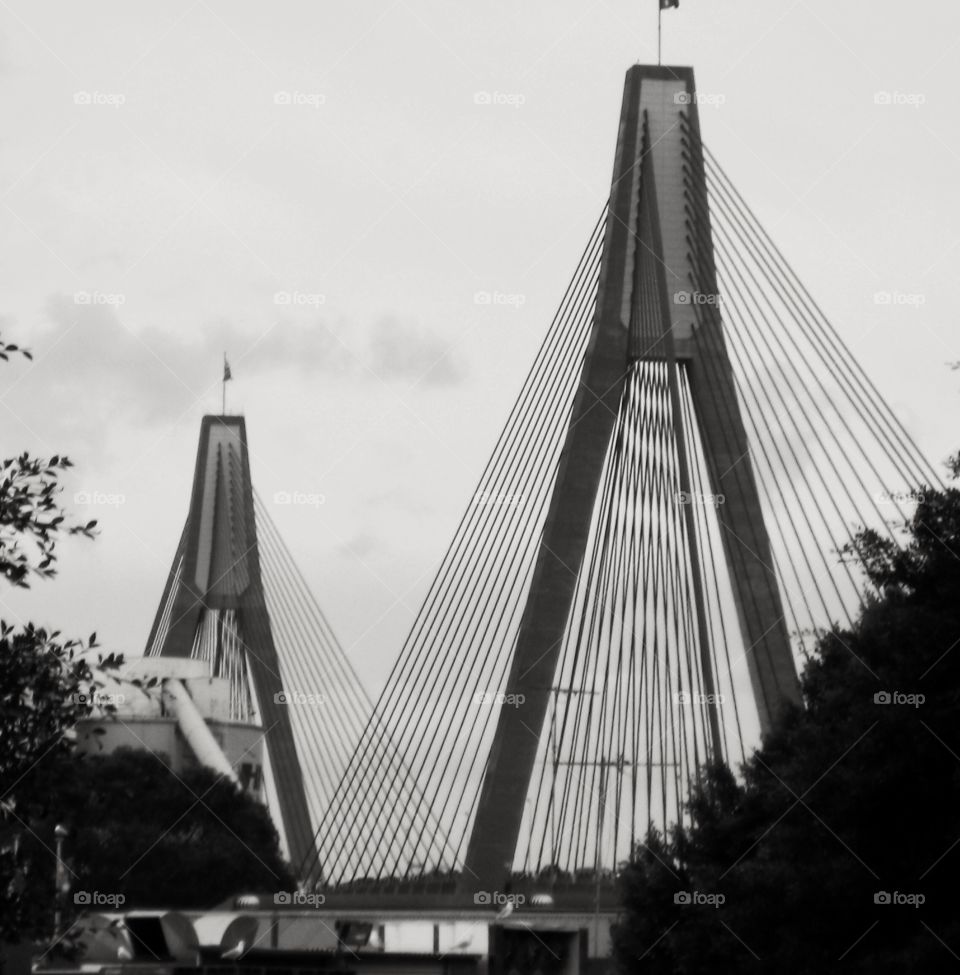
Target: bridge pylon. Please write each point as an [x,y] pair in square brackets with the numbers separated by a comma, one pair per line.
[235,600]
[652,544]
[655,254]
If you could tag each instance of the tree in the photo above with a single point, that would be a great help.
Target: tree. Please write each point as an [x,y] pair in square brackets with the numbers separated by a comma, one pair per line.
[43,679]
[30,517]
[838,849]
[142,836]
[136,830]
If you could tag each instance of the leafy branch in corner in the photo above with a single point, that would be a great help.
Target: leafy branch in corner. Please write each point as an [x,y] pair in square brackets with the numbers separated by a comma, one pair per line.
[30,515]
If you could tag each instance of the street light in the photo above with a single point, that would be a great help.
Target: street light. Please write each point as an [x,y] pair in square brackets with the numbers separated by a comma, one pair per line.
[60,880]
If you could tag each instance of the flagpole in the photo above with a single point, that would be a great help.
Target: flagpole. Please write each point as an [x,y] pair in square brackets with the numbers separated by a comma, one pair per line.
[659,20]
[223,386]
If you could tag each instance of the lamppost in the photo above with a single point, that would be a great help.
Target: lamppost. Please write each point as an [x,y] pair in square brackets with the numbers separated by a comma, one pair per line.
[60,880]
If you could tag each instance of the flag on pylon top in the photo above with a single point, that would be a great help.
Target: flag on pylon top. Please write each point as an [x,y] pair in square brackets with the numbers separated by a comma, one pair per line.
[666,4]
[226,370]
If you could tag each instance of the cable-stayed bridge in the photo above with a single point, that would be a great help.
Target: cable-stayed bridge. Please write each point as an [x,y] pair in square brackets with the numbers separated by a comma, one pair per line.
[667,520]
[651,548]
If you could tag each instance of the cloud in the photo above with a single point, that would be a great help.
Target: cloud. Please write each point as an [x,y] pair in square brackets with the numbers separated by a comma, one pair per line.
[389,350]
[93,369]
[362,546]
[99,339]
[399,350]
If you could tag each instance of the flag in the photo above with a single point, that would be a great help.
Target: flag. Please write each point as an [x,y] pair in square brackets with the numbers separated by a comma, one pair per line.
[666,4]
[226,370]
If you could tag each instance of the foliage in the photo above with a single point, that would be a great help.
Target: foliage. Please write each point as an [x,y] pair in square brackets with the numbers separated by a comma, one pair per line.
[44,680]
[46,686]
[136,830]
[30,517]
[141,836]
[849,803]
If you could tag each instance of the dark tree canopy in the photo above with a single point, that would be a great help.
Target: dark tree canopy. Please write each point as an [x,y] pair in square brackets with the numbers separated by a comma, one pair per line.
[154,838]
[44,679]
[839,851]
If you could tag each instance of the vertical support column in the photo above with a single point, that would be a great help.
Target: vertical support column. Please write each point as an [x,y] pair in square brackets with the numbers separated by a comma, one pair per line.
[669,346]
[496,827]
[746,543]
[209,563]
[275,718]
[264,664]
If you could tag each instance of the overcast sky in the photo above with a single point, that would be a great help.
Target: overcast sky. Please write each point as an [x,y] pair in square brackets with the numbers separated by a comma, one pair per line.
[321,189]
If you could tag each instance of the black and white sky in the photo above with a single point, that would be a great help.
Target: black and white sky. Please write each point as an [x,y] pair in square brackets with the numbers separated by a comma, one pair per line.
[374,207]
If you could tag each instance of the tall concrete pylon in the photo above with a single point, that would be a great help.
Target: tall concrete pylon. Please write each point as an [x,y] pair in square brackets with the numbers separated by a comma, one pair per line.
[656,286]
[214,608]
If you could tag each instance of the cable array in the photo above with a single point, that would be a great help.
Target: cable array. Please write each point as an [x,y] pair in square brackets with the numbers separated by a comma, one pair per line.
[327,705]
[630,722]
[652,677]
[441,698]
[828,454]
